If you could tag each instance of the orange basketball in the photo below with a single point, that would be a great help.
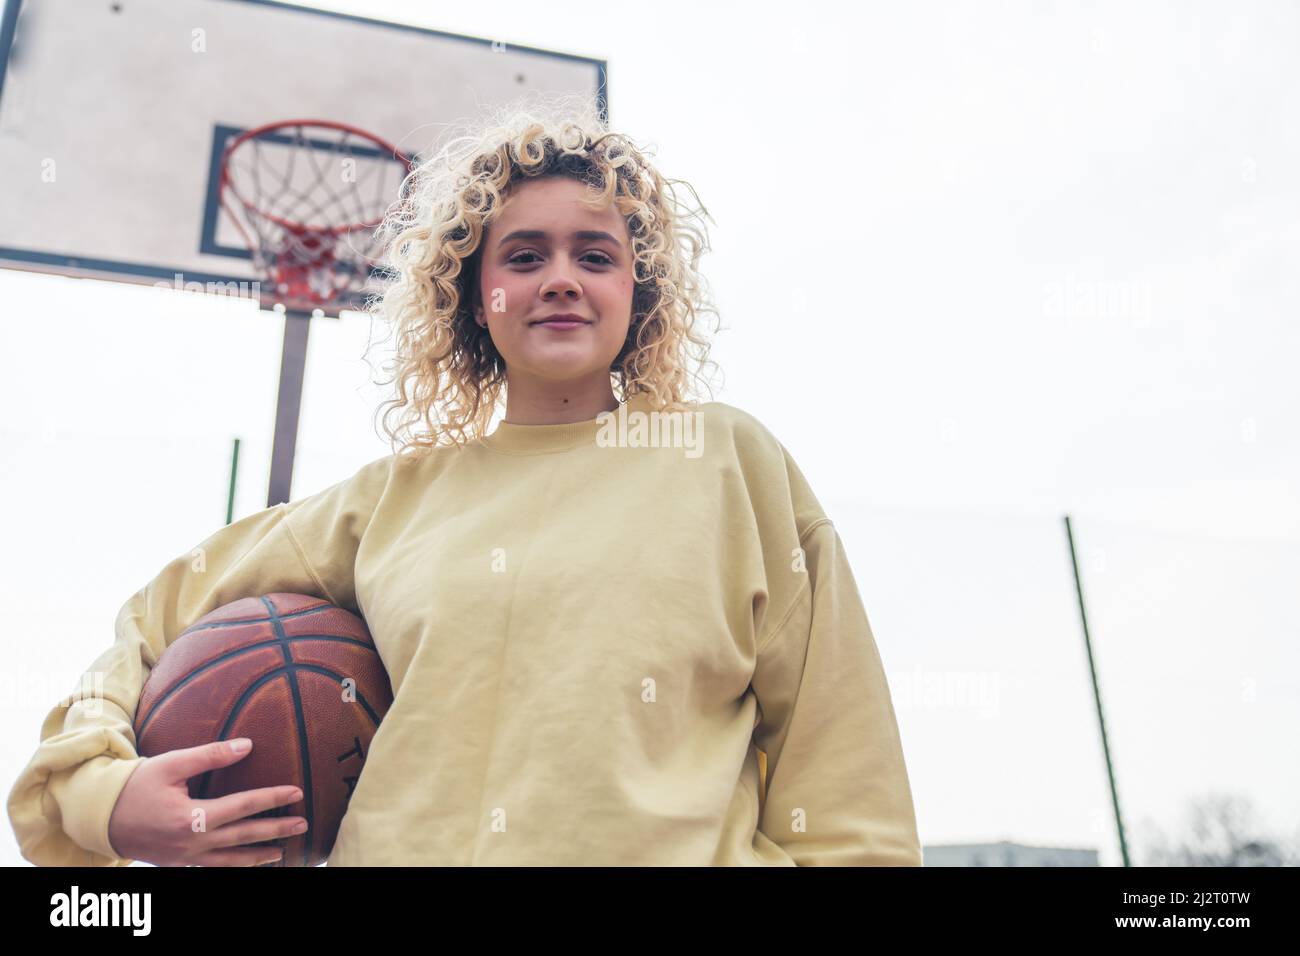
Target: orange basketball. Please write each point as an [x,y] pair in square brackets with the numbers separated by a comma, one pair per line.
[299,677]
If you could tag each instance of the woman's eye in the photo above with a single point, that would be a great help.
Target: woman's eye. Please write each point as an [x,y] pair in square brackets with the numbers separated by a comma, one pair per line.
[603,259]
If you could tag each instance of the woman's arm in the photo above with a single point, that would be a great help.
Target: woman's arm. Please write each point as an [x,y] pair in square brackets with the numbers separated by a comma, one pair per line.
[61,803]
[837,787]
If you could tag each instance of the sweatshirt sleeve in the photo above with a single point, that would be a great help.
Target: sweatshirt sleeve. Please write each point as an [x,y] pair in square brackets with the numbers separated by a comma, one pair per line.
[837,790]
[62,801]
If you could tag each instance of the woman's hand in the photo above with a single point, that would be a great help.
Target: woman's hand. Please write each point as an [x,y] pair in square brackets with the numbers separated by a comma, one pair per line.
[153,819]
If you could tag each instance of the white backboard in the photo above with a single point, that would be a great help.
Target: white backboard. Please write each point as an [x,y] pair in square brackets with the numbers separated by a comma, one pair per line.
[113,117]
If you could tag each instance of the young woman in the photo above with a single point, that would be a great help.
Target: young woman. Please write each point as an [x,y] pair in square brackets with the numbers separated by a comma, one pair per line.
[593,617]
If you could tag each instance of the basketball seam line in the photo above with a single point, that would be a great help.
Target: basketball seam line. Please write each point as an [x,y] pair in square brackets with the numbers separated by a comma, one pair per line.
[300,723]
[236,622]
[306,562]
[236,652]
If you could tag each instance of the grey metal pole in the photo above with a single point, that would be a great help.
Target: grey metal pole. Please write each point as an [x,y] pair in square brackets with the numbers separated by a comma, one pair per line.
[1096,694]
[293,363]
[234,478]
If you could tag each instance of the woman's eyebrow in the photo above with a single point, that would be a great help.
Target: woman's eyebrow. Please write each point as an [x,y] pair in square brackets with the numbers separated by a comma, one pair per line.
[586,234]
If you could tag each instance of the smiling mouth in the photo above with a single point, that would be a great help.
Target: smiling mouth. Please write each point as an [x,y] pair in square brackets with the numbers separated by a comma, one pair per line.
[566,321]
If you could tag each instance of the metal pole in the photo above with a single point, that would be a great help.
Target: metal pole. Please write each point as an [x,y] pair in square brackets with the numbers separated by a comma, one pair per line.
[1096,693]
[293,362]
[234,476]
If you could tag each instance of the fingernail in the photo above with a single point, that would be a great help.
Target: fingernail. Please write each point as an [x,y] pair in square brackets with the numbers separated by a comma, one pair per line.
[300,827]
[241,745]
[297,794]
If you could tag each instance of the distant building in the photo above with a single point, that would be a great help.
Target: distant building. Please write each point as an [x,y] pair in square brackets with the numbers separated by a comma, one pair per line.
[1006,854]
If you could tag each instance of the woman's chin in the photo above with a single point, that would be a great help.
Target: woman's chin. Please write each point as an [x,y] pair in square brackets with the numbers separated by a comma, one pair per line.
[560,363]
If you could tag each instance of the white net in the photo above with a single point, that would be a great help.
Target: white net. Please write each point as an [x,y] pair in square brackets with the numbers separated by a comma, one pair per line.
[307,197]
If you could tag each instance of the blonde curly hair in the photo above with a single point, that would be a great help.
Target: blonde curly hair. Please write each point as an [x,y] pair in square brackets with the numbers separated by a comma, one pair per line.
[450,377]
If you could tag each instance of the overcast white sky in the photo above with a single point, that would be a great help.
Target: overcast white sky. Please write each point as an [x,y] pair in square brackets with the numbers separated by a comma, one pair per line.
[979,265]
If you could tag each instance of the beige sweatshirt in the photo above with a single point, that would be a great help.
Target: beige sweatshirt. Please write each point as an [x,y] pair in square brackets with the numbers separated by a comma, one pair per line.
[591,631]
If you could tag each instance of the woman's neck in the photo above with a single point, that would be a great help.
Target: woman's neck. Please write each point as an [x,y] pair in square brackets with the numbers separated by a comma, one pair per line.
[558,403]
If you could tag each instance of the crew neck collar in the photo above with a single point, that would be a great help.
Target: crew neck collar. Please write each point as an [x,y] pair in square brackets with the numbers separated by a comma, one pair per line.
[538,439]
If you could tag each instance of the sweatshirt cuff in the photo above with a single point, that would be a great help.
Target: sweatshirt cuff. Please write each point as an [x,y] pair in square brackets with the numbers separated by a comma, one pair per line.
[86,795]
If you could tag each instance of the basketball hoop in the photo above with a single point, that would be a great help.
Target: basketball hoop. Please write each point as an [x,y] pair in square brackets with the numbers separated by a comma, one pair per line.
[307,195]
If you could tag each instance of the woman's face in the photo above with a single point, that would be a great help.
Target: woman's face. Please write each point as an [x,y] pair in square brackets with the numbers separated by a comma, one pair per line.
[547,253]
